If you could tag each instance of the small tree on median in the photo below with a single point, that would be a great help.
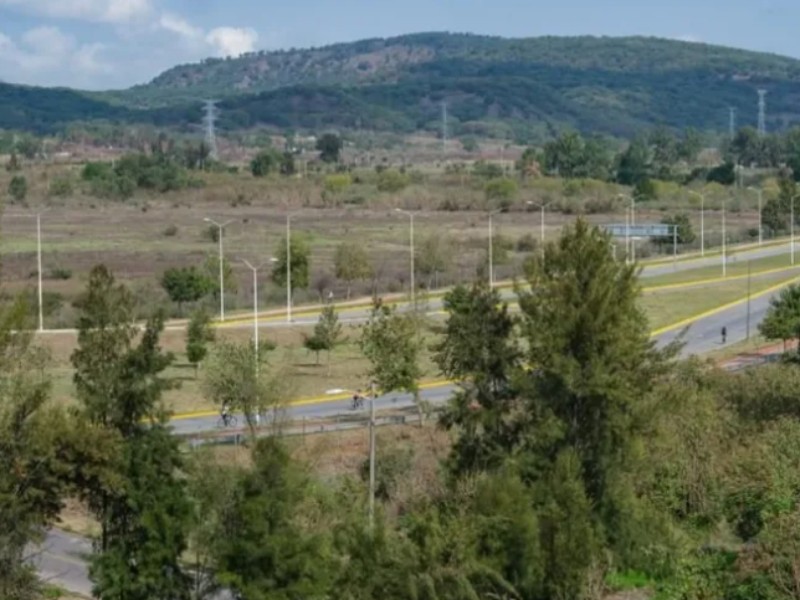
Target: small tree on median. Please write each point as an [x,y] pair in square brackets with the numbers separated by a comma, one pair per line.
[783,317]
[198,334]
[327,334]
[185,285]
[389,341]
[352,263]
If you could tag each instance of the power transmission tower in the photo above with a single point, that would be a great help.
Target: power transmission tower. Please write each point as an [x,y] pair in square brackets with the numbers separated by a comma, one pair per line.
[209,121]
[732,123]
[444,126]
[762,112]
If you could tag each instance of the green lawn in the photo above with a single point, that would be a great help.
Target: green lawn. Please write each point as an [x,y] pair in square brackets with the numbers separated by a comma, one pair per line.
[671,306]
[736,268]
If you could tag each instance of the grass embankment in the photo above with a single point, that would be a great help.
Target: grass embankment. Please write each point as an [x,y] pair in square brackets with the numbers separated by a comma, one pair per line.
[736,268]
[673,305]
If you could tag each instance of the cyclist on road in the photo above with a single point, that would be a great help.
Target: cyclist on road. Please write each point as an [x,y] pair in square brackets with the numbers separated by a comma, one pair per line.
[225,413]
[358,400]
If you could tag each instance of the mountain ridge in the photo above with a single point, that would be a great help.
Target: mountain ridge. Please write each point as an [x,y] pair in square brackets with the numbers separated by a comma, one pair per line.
[524,88]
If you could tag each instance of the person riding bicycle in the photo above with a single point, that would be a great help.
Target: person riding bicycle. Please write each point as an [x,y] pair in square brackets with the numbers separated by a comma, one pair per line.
[358,400]
[225,413]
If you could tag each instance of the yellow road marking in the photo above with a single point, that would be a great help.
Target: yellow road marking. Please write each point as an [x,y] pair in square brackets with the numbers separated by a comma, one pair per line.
[443,382]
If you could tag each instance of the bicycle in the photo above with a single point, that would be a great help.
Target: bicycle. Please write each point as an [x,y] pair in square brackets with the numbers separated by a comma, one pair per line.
[358,402]
[226,421]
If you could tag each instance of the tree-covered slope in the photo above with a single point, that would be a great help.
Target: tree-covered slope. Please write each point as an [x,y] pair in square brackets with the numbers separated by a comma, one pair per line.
[528,88]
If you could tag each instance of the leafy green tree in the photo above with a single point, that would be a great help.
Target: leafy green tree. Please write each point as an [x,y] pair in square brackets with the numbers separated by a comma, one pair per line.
[351,262]
[186,284]
[33,466]
[390,342]
[685,232]
[690,145]
[210,270]
[724,174]
[198,334]
[634,164]
[502,189]
[645,190]
[13,165]
[330,147]
[265,551]
[665,152]
[478,348]
[564,156]
[300,261]
[782,321]
[288,167]
[18,188]
[143,512]
[265,163]
[235,376]
[28,146]
[337,183]
[392,181]
[434,256]
[327,334]
[589,340]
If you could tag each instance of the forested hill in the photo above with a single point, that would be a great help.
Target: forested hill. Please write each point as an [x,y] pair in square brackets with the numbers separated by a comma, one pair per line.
[523,87]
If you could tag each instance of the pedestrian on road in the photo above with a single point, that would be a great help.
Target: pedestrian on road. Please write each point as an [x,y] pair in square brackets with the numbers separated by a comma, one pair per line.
[724,334]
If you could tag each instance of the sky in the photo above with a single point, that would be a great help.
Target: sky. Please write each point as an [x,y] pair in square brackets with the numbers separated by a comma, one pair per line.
[112,44]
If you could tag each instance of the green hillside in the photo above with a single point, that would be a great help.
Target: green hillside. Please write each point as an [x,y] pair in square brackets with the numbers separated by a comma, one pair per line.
[528,88]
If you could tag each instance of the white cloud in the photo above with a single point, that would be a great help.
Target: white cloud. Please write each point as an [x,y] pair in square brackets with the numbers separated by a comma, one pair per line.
[232,41]
[688,37]
[107,11]
[47,56]
[179,25]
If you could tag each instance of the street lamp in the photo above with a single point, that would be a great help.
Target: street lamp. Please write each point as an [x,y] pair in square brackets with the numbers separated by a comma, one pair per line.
[220,227]
[410,216]
[255,307]
[541,229]
[724,243]
[630,220]
[40,292]
[760,193]
[372,394]
[702,221]
[289,268]
[791,227]
[491,246]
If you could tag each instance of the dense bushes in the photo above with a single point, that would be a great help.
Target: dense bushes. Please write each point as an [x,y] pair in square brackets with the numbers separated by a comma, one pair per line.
[120,180]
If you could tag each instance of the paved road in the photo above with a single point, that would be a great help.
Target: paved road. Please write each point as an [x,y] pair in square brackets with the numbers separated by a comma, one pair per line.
[60,561]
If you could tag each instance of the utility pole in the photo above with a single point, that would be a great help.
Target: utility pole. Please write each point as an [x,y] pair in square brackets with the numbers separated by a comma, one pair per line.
[724,235]
[760,193]
[39,267]
[748,300]
[762,112]
[220,228]
[702,221]
[288,268]
[410,216]
[491,247]
[255,311]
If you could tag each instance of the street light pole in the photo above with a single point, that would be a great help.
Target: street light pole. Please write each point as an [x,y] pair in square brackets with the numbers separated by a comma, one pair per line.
[702,221]
[255,310]
[791,228]
[221,228]
[411,245]
[629,221]
[760,193]
[39,267]
[724,236]
[288,268]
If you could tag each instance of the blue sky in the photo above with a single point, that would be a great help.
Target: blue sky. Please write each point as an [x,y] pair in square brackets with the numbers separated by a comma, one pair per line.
[102,44]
